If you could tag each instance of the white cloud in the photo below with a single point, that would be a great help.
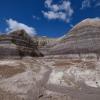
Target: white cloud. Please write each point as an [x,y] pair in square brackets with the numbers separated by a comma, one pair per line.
[56,15]
[90,3]
[14,25]
[71,25]
[48,3]
[62,11]
[86,4]
[97,4]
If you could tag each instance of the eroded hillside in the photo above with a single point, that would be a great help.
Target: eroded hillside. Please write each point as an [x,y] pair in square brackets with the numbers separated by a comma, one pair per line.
[81,39]
[50,79]
[67,68]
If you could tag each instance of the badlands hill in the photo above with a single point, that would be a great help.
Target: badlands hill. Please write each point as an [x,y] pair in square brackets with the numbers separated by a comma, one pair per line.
[18,44]
[51,77]
[83,38]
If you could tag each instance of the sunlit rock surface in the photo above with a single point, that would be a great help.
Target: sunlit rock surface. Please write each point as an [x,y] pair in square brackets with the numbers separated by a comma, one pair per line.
[18,44]
[50,79]
[83,38]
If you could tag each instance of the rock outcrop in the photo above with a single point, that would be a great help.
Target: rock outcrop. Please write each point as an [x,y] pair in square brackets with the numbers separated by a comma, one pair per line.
[43,40]
[83,38]
[44,43]
[18,44]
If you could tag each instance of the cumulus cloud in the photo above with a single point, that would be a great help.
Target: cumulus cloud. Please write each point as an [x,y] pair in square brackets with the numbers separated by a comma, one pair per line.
[14,25]
[97,4]
[71,25]
[62,11]
[86,4]
[90,3]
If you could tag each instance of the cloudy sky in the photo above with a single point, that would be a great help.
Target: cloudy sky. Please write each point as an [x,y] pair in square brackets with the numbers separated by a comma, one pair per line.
[52,18]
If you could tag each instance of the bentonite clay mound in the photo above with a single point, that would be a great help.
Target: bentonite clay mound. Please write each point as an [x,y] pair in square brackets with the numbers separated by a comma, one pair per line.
[18,44]
[83,38]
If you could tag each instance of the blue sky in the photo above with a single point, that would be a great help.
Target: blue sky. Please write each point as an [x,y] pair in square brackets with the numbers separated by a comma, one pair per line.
[52,18]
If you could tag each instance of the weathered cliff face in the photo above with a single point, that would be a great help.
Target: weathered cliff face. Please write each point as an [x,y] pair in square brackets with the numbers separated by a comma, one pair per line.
[43,41]
[18,44]
[8,50]
[83,38]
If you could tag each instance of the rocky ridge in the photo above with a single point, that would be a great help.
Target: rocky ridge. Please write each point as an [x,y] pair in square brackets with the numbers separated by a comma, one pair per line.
[18,44]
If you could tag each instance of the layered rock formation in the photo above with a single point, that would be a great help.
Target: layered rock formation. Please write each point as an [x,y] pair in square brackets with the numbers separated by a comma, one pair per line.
[51,77]
[83,38]
[8,50]
[43,41]
[18,44]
